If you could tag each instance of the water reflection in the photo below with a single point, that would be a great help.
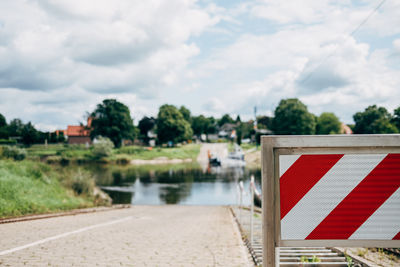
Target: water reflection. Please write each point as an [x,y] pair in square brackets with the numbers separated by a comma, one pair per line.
[186,184]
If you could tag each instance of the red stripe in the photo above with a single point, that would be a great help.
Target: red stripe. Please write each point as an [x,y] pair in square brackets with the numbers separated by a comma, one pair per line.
[361,202]
[397,237]
[302,175]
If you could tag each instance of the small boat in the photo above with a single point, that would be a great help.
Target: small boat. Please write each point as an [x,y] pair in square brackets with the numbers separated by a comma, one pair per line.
[214,161]
[236,154]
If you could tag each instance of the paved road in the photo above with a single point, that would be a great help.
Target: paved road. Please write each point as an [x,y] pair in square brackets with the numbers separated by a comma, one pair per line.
[139,236]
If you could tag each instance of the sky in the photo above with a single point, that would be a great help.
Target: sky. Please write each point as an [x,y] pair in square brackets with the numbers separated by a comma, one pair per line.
[60,58]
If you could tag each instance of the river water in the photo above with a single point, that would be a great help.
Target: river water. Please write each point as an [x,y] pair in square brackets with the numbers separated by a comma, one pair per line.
[185,184]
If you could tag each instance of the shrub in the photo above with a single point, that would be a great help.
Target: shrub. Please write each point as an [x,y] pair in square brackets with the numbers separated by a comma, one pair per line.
[103,147]
[8,141]
[82,183]
[14,152]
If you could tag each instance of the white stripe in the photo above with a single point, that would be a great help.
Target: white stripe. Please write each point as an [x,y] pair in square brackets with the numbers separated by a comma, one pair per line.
[336,184]
[8,251]
[384,224]
[285,161]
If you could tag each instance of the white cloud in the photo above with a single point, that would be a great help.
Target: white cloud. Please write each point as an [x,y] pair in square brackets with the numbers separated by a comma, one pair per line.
[94,48]
[59,59]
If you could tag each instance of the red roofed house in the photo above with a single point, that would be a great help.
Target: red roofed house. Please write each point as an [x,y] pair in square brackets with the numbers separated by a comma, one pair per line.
[79,134]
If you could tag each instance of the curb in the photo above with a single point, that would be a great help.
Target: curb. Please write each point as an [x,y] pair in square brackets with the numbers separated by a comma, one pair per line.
[358,261]
[64,213]
[246,241]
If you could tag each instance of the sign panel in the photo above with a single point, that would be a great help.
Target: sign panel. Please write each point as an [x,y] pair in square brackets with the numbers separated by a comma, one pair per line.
[330,191]
[340,196]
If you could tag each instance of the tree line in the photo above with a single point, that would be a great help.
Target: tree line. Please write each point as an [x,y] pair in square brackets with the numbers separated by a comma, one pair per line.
[112,119]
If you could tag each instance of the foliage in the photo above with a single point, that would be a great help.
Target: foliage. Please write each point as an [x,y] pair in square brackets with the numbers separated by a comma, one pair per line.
[14,152]
[328,123]
[171,125]
[32,187]
[3,121]
[185,113]
[29,134]
[203,125]
[103,147]
[145,125]
[292,117]
[225,119]
[264,122]
[374,120]
[238,119]
[81,182]
[112,119]
[396,118]
[247,129]
[308,259]
[8,142]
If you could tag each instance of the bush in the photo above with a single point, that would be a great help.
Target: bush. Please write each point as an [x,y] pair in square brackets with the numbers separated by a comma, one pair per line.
[81,183]
[103,147]
[14,152]
[8,142]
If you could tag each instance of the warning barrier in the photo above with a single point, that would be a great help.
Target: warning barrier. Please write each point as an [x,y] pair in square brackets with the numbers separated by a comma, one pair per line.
[330,191]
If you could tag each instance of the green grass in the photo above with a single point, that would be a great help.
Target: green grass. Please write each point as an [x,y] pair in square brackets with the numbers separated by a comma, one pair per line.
[135,152]
[75,152]
[28,187]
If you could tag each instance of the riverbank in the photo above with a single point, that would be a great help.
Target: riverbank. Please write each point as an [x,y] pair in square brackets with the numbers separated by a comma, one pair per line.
[65,154]
[28,187]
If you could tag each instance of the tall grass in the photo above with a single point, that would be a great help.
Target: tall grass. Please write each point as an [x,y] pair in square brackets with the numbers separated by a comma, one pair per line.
[28,187]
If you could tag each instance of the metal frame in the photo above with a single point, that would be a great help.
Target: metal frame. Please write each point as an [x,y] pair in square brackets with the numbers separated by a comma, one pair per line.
[273,146]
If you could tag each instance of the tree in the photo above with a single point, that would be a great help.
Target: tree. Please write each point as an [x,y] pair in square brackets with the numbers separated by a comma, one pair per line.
[199,125]
[3,121]
[15,127]
[373,120]
[238,119]
[145,125]
[185,113]
[172,126]
[225,119]
[292,117]
[264,122]
[211,126]
[112,119]
[3,128]
[29,134]
[328,123]
[396,118]
[203,125]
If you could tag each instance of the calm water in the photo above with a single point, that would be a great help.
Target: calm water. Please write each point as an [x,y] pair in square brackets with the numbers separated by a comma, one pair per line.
[185,184]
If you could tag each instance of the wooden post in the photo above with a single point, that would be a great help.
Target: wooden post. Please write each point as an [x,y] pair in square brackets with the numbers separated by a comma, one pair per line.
[268,203]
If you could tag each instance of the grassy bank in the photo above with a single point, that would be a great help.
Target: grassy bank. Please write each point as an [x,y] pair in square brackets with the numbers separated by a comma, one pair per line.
[58,153]
[135,152]
[28,187]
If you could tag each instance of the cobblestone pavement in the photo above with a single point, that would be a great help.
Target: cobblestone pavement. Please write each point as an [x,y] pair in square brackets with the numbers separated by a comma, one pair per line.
[138,236]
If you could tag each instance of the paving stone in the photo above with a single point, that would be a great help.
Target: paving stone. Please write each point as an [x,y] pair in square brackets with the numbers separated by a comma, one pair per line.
[155,236]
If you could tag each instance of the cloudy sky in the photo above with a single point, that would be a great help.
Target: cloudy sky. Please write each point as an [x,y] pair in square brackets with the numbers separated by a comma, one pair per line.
[59,58]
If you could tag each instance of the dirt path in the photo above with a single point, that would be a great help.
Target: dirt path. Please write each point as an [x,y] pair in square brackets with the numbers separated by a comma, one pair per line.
[140,236]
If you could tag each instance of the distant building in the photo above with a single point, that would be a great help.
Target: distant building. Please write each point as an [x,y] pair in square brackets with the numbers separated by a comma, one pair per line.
[79,134]
[227,130]
[345,129]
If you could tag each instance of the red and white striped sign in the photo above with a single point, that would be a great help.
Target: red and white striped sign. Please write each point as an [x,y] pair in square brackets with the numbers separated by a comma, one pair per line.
[340,196]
